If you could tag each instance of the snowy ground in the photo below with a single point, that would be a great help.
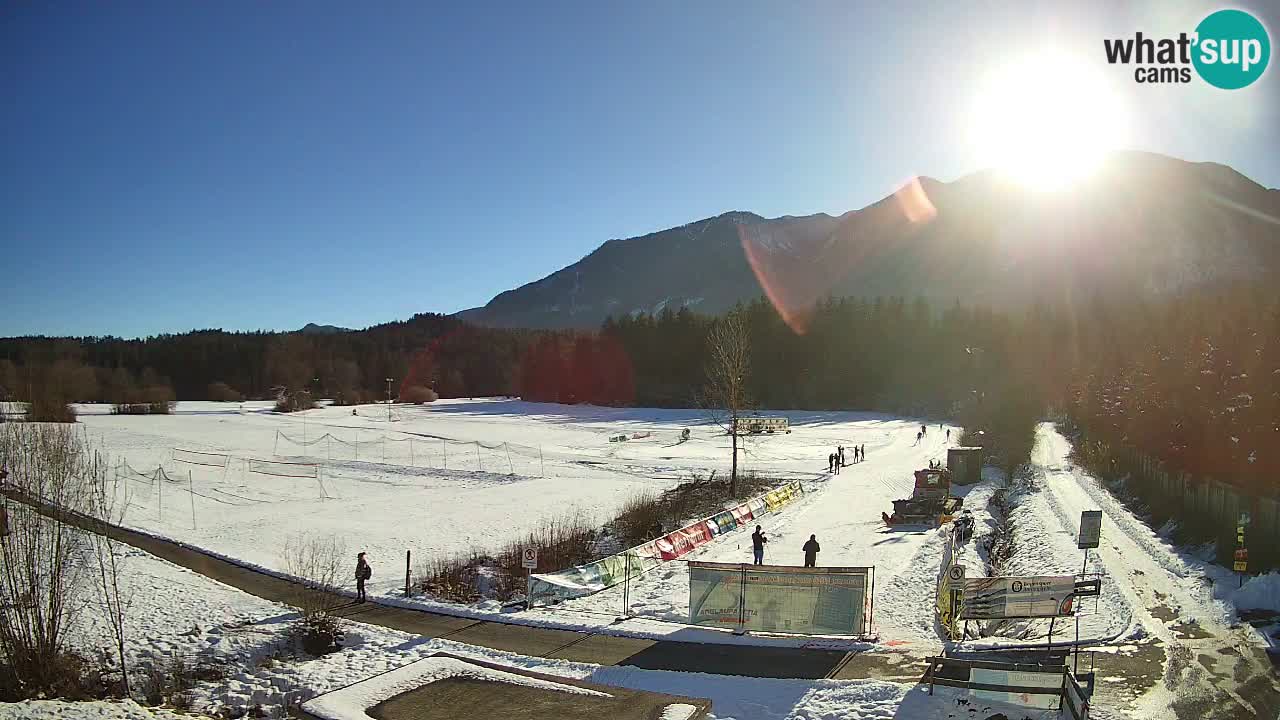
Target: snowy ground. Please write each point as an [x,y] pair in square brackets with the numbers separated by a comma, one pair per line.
[175,611]
[485,470]
[1152,590]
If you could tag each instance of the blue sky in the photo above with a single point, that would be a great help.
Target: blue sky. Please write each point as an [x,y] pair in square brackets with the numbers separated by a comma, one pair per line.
[178,165]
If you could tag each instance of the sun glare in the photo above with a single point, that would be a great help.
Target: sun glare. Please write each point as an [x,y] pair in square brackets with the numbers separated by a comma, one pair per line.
[1046,121]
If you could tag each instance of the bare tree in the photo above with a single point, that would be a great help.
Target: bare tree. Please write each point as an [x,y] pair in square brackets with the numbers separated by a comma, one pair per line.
[728,370]
[113,601]
[319,562]
[43,580]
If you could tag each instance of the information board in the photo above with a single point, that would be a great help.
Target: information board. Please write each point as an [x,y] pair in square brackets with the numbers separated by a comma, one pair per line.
[1090,529]
[1018,597]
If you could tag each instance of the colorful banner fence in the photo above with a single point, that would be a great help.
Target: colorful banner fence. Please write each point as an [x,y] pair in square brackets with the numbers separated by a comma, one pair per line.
[595,576]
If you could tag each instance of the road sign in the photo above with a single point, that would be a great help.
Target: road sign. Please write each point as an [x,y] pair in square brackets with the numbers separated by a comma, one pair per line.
[1241,566]
[529,558]
[1089,588]
[1090,529]
[956,573]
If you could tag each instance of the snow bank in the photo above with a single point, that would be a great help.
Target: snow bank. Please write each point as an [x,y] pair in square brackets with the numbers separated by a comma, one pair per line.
[350,702]
[1260,593]
[95,710]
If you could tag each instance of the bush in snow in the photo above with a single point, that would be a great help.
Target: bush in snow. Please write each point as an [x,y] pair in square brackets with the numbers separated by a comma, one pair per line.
[318,633]
[222,392]
[417,394]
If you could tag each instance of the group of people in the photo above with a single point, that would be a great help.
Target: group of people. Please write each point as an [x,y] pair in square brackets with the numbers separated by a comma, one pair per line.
[810,548]
[835,460]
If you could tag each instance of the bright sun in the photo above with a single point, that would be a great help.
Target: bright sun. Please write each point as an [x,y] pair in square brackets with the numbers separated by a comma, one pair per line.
[1046,121]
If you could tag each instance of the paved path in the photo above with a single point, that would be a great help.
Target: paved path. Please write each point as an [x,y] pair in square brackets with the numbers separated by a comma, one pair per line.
[578,646]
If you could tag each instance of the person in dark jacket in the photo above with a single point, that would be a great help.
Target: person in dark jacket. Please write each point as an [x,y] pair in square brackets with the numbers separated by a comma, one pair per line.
[363,572]
[811,550]
[757,545]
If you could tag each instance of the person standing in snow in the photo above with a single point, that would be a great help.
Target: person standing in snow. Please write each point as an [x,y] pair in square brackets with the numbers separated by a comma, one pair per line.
[840,451]
[363,573]
[811,550]
[863,454]
[757,545]
[831,463]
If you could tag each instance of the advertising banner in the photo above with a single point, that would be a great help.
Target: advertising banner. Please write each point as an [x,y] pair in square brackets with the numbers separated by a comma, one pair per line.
[1018,597]
[596,576]
[816,601]
[725,521]
[1012,678]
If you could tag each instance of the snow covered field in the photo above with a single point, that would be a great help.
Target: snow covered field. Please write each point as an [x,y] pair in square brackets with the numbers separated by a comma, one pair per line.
[486,470]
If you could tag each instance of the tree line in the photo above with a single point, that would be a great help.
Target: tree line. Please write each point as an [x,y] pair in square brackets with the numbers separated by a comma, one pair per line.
[1191,379]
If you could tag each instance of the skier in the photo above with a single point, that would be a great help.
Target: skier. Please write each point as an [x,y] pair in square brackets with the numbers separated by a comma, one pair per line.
[363,573]
[948,433]
[917,438]
[811,550]
[923,431]
[757,545]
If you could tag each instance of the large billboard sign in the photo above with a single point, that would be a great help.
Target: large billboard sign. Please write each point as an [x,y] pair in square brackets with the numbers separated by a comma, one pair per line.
[768,598]
[1018,597]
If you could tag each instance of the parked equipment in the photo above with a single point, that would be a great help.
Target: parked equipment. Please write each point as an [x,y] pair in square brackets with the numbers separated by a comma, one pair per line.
[930,502]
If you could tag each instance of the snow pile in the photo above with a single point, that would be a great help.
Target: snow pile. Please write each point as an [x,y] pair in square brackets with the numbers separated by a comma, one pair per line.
[94,710]
[678,711]
[1260,593]
[350,702]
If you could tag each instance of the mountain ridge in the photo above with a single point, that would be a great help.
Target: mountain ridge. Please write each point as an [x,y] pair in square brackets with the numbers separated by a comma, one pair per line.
[1143,220]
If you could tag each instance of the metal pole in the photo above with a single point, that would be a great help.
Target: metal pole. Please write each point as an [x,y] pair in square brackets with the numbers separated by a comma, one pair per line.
[742,600]
[384,440]
[1085,569]
[389,381]
[411,462]
[445,444]
[1077,670]
[1051,620]
[191,488]
[509,465]
[328,447]
[542,463]
[871,620]
[406,572]
[626,587]
[478,460]
[159,493]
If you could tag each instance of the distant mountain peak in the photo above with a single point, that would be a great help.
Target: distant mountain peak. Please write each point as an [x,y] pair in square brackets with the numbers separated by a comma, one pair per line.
[314,329]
